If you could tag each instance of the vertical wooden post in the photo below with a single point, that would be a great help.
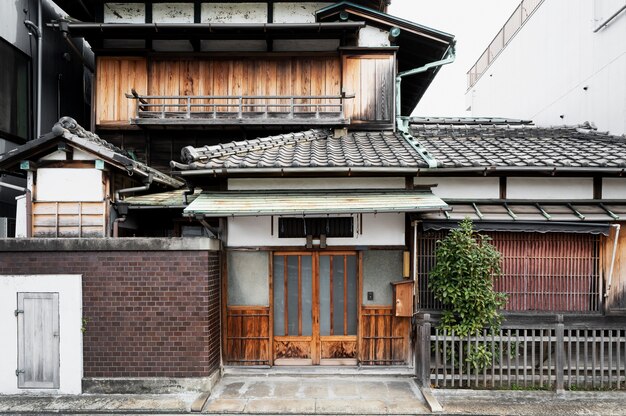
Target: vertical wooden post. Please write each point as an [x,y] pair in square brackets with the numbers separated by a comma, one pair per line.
[560,353]
[422,351]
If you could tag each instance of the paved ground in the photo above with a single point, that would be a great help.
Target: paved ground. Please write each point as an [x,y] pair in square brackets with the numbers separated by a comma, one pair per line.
[323,394]
[316,395]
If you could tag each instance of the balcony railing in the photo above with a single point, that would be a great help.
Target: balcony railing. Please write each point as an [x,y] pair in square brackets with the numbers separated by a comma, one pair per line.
[504,36]
[251,110]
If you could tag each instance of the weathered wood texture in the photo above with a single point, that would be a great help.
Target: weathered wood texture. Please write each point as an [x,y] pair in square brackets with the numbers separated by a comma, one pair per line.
[116,76]
[38,340]
[247,335]
[616,299]
[292,347]
[338,347]
[371,79]
[69,219]
[384,337]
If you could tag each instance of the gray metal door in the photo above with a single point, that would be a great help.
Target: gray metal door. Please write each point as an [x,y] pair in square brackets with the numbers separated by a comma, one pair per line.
[38,340]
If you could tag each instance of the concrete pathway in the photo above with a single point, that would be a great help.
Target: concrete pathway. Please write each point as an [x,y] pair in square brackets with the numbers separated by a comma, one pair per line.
[321,395]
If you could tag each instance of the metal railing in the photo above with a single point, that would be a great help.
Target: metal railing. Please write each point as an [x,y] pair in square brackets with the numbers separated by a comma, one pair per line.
[539,356]
[521,14]
[215,107]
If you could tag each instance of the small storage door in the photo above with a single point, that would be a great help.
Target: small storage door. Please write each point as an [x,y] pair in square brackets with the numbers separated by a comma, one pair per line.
[38,340]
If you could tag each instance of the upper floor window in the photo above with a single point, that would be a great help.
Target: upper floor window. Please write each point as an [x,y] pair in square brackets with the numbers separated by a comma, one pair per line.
[315,227]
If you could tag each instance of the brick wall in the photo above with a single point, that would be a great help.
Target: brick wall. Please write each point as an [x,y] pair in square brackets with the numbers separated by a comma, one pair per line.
[149,314]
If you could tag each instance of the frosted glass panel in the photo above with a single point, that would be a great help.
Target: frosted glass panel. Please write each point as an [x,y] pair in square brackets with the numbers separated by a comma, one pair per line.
[279,295]
[338,301]
[352,296]
[324,271]
[292,295]
[307,296]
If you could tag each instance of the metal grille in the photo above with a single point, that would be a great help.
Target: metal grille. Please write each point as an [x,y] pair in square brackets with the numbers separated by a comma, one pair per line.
[540,272]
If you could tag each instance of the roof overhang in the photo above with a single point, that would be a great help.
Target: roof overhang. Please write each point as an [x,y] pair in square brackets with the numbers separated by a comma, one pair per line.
[582,216]
[96,32]
[418,45]
[312,202]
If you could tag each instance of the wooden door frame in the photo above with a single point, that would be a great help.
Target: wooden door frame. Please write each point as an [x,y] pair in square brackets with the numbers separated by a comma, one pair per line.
[315,339]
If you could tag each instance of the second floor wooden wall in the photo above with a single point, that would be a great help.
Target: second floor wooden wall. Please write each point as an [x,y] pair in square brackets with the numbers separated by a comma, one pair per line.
[368,77]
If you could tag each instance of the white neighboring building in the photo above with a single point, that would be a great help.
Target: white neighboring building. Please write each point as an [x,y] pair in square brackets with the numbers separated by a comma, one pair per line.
[566,64]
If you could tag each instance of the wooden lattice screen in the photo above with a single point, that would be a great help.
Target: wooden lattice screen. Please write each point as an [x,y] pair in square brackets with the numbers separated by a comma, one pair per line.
[549,272]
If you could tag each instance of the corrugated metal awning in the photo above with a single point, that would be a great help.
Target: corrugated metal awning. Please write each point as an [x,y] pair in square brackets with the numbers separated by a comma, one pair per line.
[587,216]
[313,202]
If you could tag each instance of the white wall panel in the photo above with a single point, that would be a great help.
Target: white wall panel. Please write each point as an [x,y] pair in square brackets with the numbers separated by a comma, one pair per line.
[69,185]
[172,12]
[378,230]
[315,183]
[69,288]
[614,188]
[373,37]
[124,13]
[296,12]
[470,188]
[234,13]
[549,188]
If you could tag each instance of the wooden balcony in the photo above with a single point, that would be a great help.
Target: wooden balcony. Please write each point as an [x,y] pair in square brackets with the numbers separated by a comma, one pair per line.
[189,110]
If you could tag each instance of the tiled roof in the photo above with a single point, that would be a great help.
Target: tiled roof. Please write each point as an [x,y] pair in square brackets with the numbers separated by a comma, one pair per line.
[312,148]
[520,146]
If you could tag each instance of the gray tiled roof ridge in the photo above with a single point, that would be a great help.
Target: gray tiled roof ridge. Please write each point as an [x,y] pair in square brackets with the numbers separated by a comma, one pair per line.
[190,154]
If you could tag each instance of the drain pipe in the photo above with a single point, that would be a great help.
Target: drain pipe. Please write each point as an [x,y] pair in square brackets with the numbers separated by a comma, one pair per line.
[144,187]
[610,278]
[36,30]
[402,124]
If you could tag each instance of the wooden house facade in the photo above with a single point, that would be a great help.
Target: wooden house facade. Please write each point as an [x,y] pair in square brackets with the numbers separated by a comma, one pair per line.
[272,141]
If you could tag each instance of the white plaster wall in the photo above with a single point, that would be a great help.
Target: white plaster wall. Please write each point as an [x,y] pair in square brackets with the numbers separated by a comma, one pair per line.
[64,184]
[373,37]
[614,188]
[69,288]
[172,12]
[542,72]
[234,13]
[315,183]
[77,154]
[21,229]
[297,12]
[549,188]
[124,13]
[378,230]
[450,187]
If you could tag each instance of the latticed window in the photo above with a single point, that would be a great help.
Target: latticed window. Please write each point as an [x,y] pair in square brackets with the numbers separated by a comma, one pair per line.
[541,272]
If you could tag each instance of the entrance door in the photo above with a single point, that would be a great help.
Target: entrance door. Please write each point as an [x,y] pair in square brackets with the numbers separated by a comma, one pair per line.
[315,308]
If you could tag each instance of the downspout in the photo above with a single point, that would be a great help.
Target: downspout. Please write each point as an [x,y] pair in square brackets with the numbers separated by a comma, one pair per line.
[37,30]
[134,189]
[402,122]
[610,278]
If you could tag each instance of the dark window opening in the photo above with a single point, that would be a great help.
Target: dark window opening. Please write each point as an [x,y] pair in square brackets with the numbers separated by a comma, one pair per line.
[14,102]
[315,227]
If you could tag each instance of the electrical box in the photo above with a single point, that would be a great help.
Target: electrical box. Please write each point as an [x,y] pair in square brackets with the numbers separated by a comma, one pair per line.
[403,298]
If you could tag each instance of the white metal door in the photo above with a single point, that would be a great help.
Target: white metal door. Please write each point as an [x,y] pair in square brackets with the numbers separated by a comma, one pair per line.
[38,340]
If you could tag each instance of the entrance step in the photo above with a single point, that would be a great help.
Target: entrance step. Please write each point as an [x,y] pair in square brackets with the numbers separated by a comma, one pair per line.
[374,371]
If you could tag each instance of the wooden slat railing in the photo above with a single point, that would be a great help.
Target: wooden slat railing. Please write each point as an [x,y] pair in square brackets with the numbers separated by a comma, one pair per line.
[227,107]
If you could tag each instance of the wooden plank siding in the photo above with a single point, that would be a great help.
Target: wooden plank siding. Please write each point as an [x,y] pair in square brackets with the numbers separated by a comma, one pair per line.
[269,76]
[69,219]
[371,79]
[116,76]
[247,335]
[384,337]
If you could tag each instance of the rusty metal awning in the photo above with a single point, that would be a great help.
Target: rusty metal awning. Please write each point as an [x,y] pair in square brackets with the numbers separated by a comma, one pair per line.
[312,202]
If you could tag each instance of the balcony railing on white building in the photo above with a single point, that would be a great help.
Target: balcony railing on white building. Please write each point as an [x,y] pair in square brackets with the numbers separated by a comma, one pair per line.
[519,17]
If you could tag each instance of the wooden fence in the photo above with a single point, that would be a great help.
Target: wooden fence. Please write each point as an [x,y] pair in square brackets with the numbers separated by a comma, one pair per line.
[537,356]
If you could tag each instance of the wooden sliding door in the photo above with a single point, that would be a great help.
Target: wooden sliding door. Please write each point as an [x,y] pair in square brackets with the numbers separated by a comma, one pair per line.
[315,307]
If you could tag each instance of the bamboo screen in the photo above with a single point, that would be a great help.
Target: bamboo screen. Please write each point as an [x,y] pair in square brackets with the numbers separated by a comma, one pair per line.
[548,272]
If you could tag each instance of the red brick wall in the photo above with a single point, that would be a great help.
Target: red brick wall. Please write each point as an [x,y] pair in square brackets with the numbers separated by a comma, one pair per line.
[149,314]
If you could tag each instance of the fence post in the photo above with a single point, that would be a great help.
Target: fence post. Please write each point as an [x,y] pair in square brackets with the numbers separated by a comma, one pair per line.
[422,351]
[560,354]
